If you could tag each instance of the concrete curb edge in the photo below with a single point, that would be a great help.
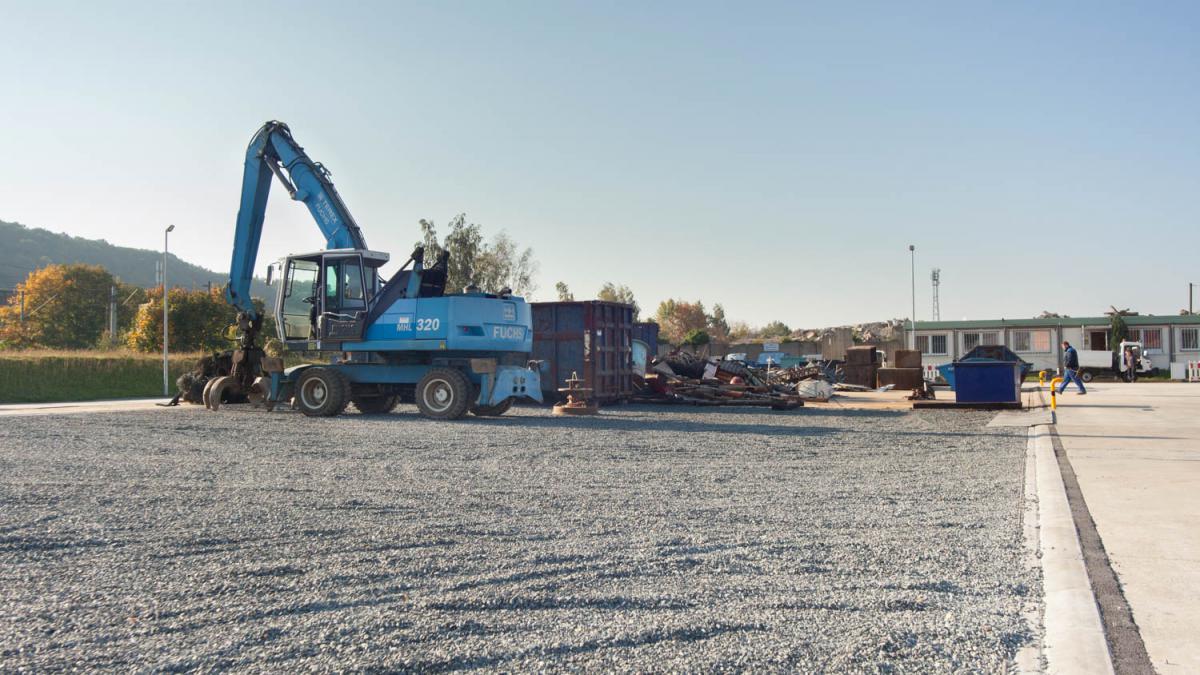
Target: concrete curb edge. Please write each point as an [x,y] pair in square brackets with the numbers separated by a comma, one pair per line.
[1074,639]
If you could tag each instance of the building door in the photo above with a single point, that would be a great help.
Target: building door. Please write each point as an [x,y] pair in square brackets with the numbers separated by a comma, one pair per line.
[1097,340]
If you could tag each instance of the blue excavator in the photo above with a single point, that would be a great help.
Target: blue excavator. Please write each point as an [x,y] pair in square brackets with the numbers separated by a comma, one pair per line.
[404,338]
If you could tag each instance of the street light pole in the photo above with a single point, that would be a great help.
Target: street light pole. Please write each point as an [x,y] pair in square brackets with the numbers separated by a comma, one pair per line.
[166,351]
[912,323]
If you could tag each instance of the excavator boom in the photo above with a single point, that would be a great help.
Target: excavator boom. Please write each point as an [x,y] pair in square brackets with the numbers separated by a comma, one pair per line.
[273,151]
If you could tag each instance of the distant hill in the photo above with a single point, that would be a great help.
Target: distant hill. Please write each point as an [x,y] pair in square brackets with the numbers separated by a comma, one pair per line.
[24,249]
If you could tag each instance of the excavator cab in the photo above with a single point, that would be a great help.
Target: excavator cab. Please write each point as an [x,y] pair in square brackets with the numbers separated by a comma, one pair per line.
[325,296]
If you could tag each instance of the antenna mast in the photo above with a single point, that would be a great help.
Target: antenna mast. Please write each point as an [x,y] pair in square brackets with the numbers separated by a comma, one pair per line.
[936,278]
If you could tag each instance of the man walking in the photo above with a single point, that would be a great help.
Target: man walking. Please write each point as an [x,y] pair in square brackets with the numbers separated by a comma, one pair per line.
[1070,368]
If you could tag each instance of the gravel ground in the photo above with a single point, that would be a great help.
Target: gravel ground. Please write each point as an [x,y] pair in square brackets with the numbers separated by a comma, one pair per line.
[646,539]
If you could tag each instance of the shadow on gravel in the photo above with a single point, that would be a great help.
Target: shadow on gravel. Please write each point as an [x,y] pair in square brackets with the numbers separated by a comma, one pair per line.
[24,526]
[521,577]
[651,410]
[750,411]
[43,544]
[682,635]
[658,426]
[533,603]
[396,595]
[651,425]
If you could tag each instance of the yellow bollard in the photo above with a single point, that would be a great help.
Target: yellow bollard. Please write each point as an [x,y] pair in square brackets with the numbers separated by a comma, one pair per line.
[1054,399]
[1041,378]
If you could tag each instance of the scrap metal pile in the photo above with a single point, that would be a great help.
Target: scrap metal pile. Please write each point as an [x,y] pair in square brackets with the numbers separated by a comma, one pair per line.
[684,378]
[830,371]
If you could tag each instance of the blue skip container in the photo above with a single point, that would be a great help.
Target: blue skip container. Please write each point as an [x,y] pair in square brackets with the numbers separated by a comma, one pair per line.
[987,381]
[985,354]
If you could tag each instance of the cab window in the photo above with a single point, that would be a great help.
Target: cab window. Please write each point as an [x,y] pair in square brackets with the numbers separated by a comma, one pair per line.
[331,283]
[352,283]
[344,285]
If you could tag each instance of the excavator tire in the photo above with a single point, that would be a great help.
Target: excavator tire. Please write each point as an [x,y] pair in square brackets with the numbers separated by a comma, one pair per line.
[375,405]
[444,394]
[321,392]
[493,410]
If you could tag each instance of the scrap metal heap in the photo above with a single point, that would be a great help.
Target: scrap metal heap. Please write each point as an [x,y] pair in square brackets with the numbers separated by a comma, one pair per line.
[681,377]
[830,371]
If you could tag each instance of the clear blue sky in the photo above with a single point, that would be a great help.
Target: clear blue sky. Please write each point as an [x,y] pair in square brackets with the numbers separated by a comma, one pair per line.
[776,158]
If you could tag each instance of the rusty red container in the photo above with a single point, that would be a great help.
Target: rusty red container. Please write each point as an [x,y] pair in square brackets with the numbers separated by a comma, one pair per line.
[591,338]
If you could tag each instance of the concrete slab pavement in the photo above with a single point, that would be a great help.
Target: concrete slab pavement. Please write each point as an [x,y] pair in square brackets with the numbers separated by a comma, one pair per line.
[81,406]
[1135,450]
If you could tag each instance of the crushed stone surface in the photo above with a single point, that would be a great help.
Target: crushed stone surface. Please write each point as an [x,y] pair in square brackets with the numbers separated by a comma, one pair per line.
[648,538]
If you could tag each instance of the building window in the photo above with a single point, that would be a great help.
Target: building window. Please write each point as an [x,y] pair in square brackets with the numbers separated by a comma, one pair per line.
[973,340]
[937,344]
[932,345]
[1031,341]
[1151,338]
[1189,339]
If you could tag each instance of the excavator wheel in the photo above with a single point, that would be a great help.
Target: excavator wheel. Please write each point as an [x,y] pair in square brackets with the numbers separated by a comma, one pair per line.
[375,405]
[321,392]
[444,394]
[493,410]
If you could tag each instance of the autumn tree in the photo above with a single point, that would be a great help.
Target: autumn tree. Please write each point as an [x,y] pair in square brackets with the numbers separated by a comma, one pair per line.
[503,264]
[740,330]
[718,326]
[199,321]
[677,317]
[610,292]
[129,298]
[65,307]
[491,266]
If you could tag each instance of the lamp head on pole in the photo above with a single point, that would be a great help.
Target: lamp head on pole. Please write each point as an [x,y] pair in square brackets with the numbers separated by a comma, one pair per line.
[910,246]
[170,228]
